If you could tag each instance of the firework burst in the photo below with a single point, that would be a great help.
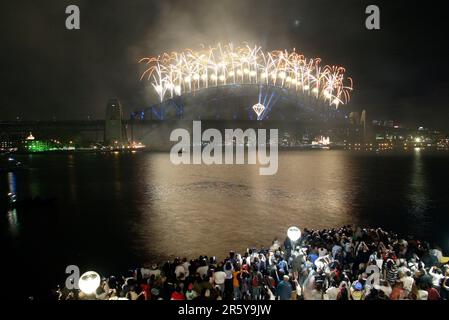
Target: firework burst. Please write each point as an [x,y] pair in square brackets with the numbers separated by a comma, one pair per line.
[176,73]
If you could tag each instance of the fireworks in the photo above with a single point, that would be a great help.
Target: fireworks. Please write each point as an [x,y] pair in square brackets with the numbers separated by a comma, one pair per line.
[176,73]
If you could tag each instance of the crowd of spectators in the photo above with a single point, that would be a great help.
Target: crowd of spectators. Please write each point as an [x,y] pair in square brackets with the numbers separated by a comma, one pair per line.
[332,264]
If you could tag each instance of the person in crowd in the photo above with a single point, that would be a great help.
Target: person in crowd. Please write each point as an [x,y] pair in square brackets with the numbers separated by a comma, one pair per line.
[398,292]
[391,270]
[407,281]
[203,268]
[180,271]
[444,291]
[177,294]
[437,276]
[356,291]
[190,293]
[236,282]
[256,285]
[219,278]
[284,289]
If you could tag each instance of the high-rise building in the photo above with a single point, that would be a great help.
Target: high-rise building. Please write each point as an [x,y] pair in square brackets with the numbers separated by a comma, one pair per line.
[389,123]
[354,118]
[363,123]
[114,132]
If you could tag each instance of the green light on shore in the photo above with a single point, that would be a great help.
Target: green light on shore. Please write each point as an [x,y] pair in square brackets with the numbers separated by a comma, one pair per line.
[35,146]
[38,146]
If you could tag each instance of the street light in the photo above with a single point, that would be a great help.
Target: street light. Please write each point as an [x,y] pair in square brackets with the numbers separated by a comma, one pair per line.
[89,282]
[293,233]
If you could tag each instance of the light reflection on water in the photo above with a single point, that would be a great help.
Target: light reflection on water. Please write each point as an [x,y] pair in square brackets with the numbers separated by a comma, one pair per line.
[211,209]
[13,222]
[120,210]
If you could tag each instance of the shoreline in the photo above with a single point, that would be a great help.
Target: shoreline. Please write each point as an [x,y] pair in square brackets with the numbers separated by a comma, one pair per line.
[397,152]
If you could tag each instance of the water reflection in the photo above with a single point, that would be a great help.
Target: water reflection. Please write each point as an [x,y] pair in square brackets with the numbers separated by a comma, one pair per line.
[117,176]
[13,222]
[418,194]
[72,177]
[195,209]
[12,183]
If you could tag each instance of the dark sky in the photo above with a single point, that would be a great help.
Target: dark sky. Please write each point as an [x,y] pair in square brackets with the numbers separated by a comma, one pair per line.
[399,72]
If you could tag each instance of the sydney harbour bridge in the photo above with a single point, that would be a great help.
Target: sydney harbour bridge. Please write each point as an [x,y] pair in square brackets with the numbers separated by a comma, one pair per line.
[242,87]
[237,101]
[233,106]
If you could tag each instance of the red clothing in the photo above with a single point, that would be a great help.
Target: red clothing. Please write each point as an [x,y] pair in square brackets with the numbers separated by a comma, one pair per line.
[433,294]
[177,296]
[397,293]
[146,291]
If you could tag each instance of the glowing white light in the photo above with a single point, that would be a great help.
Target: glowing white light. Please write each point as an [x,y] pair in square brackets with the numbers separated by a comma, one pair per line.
[258,109]
[293,233]
[89,282]
[30,137]
[325,141]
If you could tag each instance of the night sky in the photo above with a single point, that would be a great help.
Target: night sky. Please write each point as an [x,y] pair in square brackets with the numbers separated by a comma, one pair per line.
[49,72]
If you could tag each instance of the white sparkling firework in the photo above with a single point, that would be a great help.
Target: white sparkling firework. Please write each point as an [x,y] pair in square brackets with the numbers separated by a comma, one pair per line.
[176,73]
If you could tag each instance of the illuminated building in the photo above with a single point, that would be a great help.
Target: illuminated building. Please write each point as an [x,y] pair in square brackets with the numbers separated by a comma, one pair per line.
[114,133]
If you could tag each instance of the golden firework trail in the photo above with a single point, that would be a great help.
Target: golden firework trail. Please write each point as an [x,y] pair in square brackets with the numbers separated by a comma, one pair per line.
[173,74]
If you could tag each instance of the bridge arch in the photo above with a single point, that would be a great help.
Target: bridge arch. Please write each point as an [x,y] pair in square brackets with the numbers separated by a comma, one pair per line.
[236,101]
